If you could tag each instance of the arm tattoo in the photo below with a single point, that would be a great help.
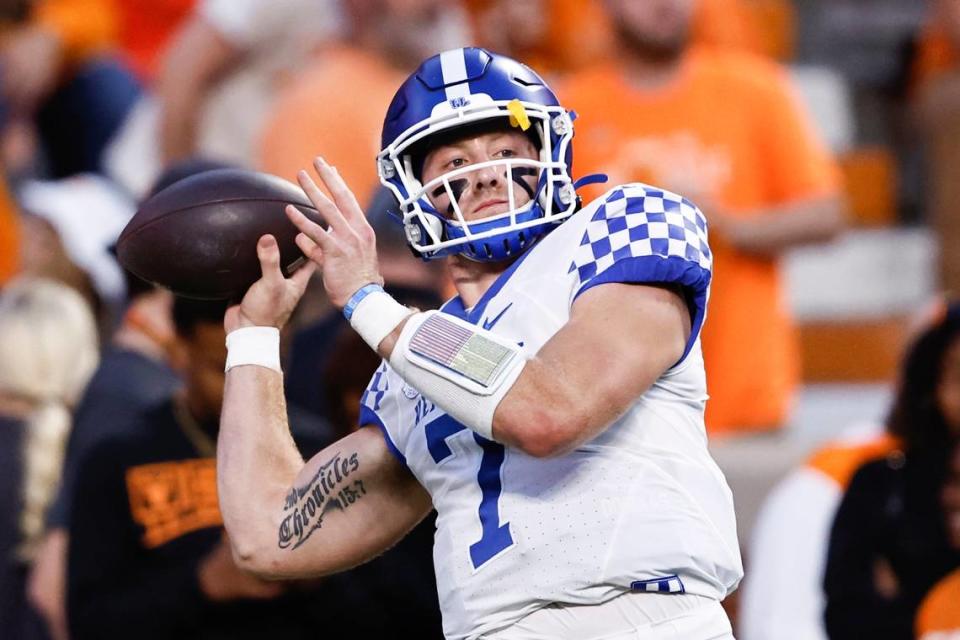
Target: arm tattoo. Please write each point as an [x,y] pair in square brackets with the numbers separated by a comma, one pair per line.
[328,490]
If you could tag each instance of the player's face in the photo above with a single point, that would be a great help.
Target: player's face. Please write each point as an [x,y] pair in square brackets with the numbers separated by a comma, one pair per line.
[484,192]
[948,391]
[654,28]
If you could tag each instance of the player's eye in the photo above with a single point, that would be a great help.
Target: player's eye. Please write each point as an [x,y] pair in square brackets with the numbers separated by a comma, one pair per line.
[456,163]
[506,153]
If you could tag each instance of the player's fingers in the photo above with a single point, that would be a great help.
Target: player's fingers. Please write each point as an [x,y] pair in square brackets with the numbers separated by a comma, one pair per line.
[325,207]
[308,227]
[269,254]
[309,248]
[301,276]
[342,195]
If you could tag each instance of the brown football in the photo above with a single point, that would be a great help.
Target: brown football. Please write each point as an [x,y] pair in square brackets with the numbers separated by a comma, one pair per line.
[198,237]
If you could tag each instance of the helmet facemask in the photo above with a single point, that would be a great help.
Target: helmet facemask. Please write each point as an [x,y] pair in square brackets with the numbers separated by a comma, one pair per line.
[547,200]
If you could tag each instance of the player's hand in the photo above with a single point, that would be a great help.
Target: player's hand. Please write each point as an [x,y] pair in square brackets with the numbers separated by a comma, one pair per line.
[270,300]
[221,580]
[347,249]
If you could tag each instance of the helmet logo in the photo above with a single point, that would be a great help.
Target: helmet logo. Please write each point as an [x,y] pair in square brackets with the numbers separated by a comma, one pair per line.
[459,102]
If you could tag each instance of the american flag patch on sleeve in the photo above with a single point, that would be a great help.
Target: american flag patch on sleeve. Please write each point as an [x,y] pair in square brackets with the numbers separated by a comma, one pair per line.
[460,348]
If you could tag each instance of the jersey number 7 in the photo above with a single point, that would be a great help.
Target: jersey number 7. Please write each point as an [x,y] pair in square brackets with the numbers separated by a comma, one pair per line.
[495,536]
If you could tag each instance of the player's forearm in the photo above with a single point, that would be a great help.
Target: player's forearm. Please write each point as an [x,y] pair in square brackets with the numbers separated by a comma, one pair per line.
[193,62]
[257,460]
[178,126]
[771,232]
[351,502]
[559,403]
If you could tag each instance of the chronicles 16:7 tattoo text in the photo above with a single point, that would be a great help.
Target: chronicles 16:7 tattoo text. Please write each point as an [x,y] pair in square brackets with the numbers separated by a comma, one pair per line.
[329,489]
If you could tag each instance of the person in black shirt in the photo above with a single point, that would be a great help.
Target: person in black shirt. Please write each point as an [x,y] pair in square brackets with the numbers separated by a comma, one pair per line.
[890,540]
[147,555]
[134,374]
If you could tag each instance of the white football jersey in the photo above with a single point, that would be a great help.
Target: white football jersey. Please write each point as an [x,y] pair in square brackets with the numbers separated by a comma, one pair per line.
[640,507]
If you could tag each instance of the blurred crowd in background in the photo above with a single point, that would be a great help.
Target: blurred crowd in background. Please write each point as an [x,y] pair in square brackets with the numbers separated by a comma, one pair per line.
[820,137]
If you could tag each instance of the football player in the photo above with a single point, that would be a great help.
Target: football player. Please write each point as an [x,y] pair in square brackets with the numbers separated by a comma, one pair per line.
[552,412]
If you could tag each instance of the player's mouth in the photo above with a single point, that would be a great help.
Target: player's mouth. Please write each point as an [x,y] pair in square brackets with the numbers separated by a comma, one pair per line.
[488,204]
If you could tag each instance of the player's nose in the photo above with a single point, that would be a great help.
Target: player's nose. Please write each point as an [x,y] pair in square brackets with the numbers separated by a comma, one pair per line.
[489,176]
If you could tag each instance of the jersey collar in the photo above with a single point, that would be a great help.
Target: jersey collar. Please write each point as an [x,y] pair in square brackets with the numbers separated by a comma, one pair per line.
[455,307]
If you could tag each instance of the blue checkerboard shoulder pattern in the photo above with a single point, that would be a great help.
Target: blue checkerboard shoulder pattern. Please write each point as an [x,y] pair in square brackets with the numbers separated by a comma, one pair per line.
[377,388]
[637,220]
[373,411]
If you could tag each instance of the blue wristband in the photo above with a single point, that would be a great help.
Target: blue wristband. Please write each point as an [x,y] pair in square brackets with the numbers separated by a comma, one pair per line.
[357,298]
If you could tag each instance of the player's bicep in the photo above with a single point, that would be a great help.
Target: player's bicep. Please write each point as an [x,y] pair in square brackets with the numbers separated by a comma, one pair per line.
[351,502]
[620,338]
[635,333]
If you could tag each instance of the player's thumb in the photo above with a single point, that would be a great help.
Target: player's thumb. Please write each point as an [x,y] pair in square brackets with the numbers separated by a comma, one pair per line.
[269,255]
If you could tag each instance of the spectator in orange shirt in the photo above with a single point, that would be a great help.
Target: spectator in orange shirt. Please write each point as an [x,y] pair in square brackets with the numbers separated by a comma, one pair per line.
[724,129]
[144,28]
[552,36]
[895,533]
[938,51]
[782,595]
[136,30]
[9,235]
[939,616]
[74,69]
[335,108]
[560,36]
[60,77]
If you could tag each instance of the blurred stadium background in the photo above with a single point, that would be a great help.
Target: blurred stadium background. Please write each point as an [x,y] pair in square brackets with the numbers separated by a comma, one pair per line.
[98,97]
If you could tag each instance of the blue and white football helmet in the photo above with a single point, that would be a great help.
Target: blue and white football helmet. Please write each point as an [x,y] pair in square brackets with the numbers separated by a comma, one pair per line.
[465,87]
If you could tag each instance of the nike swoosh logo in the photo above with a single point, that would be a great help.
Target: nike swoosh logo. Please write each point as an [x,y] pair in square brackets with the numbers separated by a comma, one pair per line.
[488,324]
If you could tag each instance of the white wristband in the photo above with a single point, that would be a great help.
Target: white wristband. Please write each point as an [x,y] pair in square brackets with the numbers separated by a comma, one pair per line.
[377,315]
[258,346]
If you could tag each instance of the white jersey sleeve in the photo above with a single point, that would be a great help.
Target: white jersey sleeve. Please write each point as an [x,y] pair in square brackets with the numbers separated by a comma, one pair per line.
[380,408]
